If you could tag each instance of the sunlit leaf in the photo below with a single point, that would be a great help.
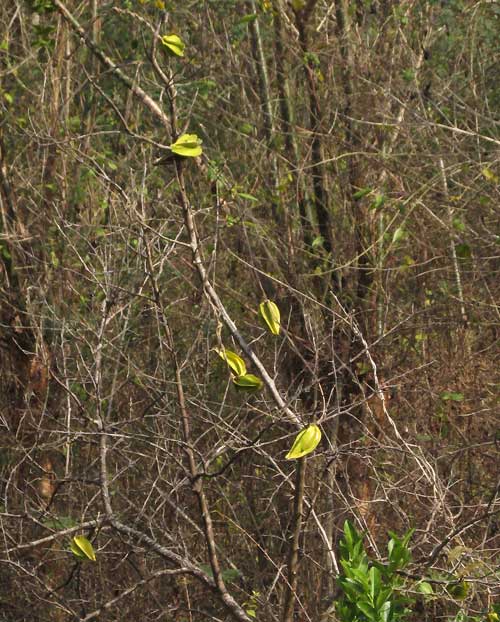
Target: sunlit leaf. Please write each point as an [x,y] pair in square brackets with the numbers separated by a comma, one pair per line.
[425,588]
[305,442]
[82,548]
[408,75]
[490,175]
[361,193]
[174,44]
[318,242]
[378,202]
[248,197]
[452,396]
[399,234]
[246,19]
[187,145]
[235,362]
[270,313]
[248,382]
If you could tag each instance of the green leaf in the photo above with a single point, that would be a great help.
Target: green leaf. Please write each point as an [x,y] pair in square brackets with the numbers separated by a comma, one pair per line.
[230,574]
[408,75]
[383,598]
[65,522]
[385,611]
[305,442]
[374,575]
[350,533]
[463,251]
[5,252]
[207,569]
[174,44]
[378,202]
[425,588]
[248,197]
[458,591]
[82,548]
[235,362]
[54,260]
[458,224]
[246,19]
[452,396]
[246,128]
[368,610]
[270,313]
[318,242]
[399,234]
[362,192]
[188,146]
[248,382]
[490,175]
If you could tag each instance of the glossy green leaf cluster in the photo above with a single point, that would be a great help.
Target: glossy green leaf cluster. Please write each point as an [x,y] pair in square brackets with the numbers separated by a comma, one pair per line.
[370,590]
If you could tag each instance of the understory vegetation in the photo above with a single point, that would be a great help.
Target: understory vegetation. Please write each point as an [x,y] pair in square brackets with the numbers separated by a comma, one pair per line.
[249,319]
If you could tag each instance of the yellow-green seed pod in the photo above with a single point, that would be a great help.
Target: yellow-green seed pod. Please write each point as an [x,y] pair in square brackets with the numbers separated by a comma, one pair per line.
[305,442]
[248,382]
[270,313]
[234,362]
[187,146]
[82,548]
[174,44]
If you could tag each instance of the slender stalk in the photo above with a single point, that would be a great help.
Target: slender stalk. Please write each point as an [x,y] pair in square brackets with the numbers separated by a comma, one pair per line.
[101,422]
[453,250]
[293,558]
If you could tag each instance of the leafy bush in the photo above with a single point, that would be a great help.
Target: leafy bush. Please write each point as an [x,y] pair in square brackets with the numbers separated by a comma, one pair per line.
[370,589]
